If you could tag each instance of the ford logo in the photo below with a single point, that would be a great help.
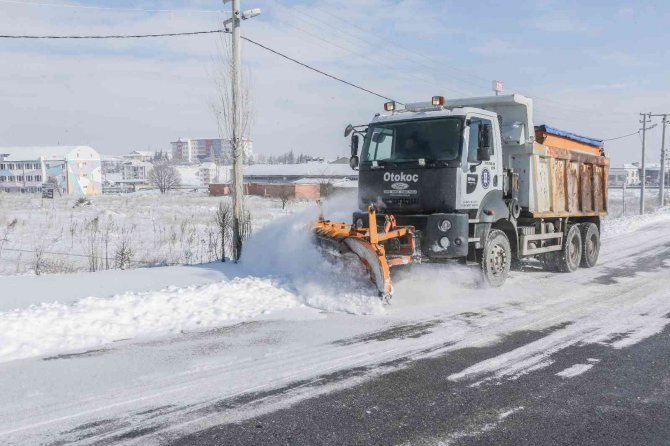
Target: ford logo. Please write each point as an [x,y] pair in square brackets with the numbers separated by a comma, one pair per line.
[399,186]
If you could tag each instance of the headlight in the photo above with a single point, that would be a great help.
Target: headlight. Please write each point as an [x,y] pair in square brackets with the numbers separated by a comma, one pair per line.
[359,223]
[444,225]
[444,242]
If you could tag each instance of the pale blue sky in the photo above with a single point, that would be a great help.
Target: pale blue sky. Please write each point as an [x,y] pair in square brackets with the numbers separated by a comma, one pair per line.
[591,67]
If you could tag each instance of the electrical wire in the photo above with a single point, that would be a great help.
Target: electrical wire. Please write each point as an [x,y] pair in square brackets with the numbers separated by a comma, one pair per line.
[107,8]
[368,58]
[571,108]
[309,67]
[622,137]
[117,36]
[139,36]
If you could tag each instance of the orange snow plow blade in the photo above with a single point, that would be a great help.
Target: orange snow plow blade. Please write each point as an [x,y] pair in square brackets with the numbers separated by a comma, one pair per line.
[377,248]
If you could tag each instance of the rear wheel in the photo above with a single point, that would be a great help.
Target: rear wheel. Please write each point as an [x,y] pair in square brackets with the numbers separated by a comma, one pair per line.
[567,259]
[496,258]
[590,245]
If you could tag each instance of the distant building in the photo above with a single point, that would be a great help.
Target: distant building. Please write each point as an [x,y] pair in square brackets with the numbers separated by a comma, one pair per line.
[72,169]
[629,175]
[194,150]
[135,171]
[211,173]
[140,155]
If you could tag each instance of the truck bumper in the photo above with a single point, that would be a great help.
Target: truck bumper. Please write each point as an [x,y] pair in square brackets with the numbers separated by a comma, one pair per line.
[435,243]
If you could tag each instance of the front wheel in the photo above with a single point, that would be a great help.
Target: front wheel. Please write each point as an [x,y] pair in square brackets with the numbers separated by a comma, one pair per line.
[496,258]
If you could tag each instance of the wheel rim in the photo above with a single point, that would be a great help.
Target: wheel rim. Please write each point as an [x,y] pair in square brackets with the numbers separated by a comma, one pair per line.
[592,246]
[573,253]
[497,260]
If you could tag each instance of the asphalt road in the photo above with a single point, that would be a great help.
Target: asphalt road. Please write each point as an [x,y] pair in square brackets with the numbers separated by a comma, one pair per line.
[624,399]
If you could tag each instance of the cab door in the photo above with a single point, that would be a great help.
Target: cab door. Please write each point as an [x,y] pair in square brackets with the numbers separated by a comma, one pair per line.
[480,176]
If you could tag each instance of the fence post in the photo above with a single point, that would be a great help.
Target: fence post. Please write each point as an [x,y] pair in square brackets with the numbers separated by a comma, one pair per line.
[623,213]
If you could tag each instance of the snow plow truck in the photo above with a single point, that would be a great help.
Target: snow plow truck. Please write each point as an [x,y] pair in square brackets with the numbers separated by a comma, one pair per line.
[471,180]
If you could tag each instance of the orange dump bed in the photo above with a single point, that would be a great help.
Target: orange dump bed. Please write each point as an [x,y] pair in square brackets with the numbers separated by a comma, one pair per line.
[563,140]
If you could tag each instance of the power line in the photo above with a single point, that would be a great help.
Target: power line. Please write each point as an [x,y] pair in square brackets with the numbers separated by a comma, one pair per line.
[193,33]
[309,67]
[571,108]
[369,58]
[113,36]
[622,137]
[106,8]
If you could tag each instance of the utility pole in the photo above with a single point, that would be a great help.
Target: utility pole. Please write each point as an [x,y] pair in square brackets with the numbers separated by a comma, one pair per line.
[645,116]
[237,139]
[661,184]
[238,186]
[661,178]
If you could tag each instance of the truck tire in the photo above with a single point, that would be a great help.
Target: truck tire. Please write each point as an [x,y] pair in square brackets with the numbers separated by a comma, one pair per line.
[567,259]
[496,258]
[590,245]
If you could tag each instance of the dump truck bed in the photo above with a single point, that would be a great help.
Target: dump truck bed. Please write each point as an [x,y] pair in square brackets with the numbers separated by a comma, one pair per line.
[560,182]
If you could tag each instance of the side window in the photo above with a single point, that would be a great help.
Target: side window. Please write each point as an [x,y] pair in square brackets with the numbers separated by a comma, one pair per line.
[473,138]
[380,145]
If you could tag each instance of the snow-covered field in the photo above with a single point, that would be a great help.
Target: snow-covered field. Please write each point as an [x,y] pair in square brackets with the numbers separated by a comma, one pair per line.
[59,236]
[79,349]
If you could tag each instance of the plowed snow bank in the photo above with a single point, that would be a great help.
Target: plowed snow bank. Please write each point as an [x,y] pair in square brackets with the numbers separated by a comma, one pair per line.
[91,322]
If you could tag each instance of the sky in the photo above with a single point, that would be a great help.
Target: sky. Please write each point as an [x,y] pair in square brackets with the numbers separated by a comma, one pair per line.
[591,67]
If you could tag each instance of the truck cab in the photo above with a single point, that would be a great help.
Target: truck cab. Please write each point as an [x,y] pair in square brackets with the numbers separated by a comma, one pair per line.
[435,168]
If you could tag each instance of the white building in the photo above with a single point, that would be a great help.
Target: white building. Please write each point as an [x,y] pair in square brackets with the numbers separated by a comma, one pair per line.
[193,150]
[73,169]
[140,155]
[629,175]
[135,170]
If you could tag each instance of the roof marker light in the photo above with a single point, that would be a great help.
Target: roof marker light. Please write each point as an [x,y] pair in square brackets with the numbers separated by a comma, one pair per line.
[438,100]
[389,106]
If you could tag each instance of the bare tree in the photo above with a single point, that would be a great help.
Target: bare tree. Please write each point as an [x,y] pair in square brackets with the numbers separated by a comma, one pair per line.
[4,238]
[285,197]
[93,228]
[224,217]
[232,126]
[38,260]
[123,255]
[164,176]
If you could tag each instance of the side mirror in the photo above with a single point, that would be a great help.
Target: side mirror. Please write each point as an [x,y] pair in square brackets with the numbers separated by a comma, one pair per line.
[348,130]
[484,139]
[353,162]
[354,145]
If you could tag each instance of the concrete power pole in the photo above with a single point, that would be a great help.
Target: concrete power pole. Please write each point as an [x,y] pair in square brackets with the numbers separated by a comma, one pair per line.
[643,167]
[237,142]
[238,186]
[663,161]
[661,178]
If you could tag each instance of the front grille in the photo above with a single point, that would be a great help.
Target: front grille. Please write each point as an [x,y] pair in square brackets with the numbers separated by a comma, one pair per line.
[401,201]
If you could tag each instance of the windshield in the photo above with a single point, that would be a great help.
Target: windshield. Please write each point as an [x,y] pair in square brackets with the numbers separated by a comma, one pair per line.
[430,139]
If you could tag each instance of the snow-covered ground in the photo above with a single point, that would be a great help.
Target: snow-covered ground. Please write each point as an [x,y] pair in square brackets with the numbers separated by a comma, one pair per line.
[177,228]
[119,352]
